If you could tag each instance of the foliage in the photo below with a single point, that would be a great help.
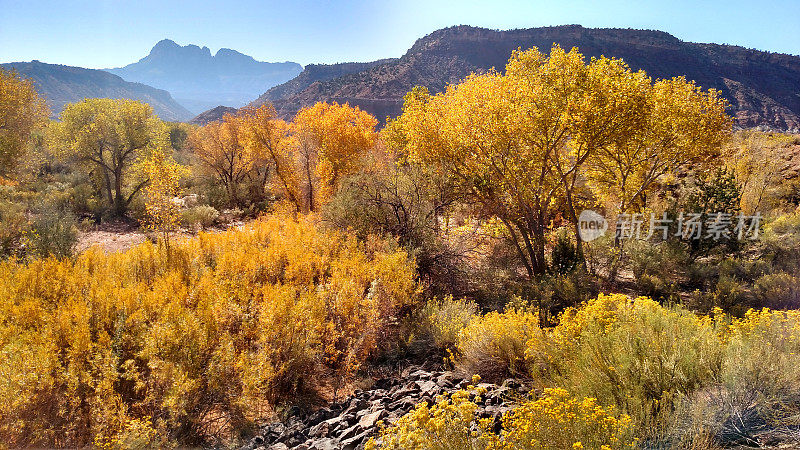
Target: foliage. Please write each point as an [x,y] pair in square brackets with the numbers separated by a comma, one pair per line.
[408,201]
[555,421]
[331,138]
[636,355]
[521,144]
[442,319]
[164,175]
[228,150]
[22,111]
[108,137]
[202,215]
[199,342]
[560,421]
[493,345]
[54,232]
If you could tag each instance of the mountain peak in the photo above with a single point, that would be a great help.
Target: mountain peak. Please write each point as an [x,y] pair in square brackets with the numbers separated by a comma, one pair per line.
[164,44]
[199,79]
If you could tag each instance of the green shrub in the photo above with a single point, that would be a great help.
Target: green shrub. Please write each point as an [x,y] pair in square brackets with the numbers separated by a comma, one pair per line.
[636,355]
[54,232]
[202,216]
[13,227]
[657,268]
[777,291]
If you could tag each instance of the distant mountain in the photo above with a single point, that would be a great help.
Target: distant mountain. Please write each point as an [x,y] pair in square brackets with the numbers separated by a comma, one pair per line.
[763,87]
[65,84]
[213,115]
[199,80]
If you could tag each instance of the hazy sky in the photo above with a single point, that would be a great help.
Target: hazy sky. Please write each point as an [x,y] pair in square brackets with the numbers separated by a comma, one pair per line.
[98,34]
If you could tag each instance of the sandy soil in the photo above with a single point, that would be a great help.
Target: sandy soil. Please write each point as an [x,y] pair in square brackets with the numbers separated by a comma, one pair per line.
[111,237]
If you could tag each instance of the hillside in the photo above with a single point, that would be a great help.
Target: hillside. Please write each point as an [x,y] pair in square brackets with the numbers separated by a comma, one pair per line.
[66,84]
[762,87]
[213,115]
[199,80]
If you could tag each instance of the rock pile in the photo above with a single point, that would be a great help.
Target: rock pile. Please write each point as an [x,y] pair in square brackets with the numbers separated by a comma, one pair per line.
[350,423]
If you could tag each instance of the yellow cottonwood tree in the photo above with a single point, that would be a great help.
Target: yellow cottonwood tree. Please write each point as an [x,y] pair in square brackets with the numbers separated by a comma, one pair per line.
[223,149]
[331,138]
[265,135]
[22,111]
[521,143]
[109,136]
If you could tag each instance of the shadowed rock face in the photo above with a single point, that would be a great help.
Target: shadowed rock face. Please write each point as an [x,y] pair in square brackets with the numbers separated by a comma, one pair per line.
[763,87]
[199,80]
[60,85]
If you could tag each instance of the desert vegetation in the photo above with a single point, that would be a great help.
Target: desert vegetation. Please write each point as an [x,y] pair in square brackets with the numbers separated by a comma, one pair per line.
[288,262]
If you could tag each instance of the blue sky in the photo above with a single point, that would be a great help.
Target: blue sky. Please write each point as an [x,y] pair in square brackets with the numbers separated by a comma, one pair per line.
[98,33]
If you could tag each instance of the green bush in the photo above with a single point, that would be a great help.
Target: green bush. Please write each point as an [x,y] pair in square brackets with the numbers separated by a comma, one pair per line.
[202,216]
[54,232]
[657,268]
[777,291]
[636,355]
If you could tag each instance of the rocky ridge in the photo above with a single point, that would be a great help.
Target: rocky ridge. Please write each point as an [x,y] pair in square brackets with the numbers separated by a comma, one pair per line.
[762,87]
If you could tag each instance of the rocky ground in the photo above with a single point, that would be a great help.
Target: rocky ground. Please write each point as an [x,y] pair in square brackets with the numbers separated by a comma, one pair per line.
[350,423]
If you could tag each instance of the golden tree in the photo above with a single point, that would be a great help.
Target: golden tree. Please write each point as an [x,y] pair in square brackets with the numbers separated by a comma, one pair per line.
[109,136]
[163,175]
[520,144]
[22,111]
[227,153]
[265,135]
[331,138]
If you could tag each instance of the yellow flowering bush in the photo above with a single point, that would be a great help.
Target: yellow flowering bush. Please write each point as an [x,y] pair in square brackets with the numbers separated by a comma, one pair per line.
[555,421]
[446,425]
[202,342]
[494,345]
[561,421]
[763,354]
[634,354]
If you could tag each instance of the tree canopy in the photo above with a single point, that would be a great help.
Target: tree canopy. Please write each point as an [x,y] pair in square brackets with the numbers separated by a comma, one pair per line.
[22,111]
[528,146]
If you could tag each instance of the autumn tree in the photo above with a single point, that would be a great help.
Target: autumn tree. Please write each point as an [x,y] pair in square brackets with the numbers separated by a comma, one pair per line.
[164,176]
[265,135]
[240,168]
[22,111]
[330,140]
[520,144]
[108,136]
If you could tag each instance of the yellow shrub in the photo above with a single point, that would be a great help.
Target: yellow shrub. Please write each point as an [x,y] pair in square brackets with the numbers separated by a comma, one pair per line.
[634,354]
[560,421]
[494,345]
[556,421]
[200,342]
[443,319]
[442,426]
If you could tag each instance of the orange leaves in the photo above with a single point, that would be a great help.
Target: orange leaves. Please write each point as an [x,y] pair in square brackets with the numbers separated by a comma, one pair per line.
[302,161]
